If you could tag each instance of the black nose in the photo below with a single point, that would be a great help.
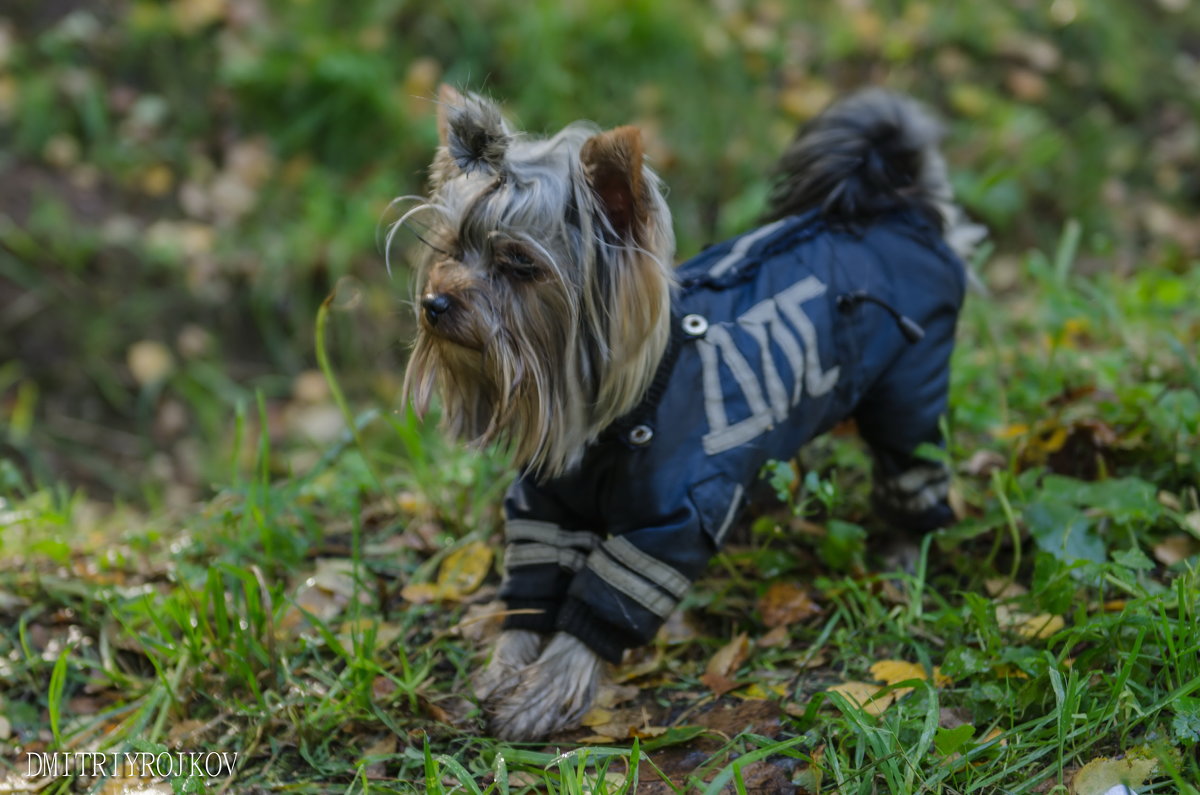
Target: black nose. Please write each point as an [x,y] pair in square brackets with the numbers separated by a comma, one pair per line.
[435,306]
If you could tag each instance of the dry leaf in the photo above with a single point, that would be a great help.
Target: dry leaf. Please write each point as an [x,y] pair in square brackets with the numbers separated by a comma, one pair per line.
[862,694]
[730,656]
[760,693]
[776,637]
[421,593]
[1175,548]
[893,671]
[1029,627]
[610,695]
[718,684]
[464,569]
[1004,588]
[1100,775]
[461,573]
[597,716]
[785,603]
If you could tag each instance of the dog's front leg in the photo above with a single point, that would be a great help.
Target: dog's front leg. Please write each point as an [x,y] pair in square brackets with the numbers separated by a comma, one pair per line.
[554,693]
[513,651]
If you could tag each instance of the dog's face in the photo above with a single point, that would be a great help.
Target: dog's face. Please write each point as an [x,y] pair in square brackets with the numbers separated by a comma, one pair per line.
[543,299]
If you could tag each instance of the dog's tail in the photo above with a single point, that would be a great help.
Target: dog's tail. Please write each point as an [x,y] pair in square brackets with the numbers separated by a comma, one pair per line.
[872,152]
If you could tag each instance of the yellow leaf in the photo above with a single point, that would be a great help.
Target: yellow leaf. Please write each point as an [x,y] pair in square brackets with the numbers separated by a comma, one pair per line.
[1102,774]
[726,661]
[464,570]
[598,716]
[1041,626]
[893,671]
[757,692]
[421,593]
[863,694]
[1034,627]
[1011,431]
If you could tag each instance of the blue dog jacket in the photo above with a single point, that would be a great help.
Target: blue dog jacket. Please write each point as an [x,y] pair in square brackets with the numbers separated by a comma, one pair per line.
[777,336]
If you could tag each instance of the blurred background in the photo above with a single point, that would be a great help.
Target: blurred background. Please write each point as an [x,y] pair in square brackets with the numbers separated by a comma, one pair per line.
[183,183]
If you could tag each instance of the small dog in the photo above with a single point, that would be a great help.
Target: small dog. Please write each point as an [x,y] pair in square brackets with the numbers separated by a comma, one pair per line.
[639,399]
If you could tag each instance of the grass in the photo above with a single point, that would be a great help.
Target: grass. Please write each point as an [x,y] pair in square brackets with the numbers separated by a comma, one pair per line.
[218,534]
[271,622]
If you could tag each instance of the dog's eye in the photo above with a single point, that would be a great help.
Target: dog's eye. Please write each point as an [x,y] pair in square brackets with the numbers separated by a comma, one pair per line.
[517,264]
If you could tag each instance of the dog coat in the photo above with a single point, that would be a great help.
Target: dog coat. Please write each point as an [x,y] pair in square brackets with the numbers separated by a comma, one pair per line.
[777,335]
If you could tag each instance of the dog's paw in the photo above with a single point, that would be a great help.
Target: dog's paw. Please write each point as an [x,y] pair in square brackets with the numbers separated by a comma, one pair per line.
[554,693]
[514,650]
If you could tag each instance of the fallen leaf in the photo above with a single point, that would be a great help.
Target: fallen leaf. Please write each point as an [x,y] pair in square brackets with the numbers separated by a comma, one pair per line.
[1175,548]
[893,671]
[461,573]
[597,716]
[863,695]
[785,603]
[1100,775]
[757,691]
[421,593]
[464,570]
[730,656]
[718,684]
[610,695]
[385,633]
[776,637]
[1030,627]
[1004,588]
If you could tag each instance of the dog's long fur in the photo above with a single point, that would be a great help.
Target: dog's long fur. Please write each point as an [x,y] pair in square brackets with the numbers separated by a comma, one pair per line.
[544,302]
[543,365]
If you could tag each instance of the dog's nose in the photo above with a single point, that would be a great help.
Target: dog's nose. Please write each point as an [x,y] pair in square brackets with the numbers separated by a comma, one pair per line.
[435,306]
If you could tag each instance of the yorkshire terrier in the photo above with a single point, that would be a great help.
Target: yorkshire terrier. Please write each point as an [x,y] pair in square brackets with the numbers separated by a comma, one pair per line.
[639,399]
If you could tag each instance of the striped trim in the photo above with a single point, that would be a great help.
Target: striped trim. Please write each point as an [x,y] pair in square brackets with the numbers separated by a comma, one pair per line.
[738,252]
[632,585]
[730,514]
[517,555]
[549,533]
[648,566]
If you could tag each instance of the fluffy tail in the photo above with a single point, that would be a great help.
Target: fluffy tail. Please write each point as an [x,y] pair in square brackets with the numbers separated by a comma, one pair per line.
[872,152]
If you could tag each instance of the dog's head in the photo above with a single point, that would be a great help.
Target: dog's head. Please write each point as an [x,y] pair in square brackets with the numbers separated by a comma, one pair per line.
[543,299]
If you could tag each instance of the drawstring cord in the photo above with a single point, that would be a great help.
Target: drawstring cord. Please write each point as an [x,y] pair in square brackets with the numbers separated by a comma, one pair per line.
[911,330]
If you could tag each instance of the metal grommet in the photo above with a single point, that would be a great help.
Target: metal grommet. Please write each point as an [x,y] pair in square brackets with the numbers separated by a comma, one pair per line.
[695,325]
[641,435]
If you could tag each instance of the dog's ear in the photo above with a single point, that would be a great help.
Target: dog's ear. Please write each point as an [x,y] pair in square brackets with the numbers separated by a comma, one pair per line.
[472,131]
[613,163]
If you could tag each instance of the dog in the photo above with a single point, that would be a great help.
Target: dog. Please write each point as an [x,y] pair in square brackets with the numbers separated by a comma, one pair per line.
[639,399]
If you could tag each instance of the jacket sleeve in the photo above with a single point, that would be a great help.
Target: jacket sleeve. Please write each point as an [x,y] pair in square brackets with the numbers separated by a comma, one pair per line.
[542,552]
[632,581]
